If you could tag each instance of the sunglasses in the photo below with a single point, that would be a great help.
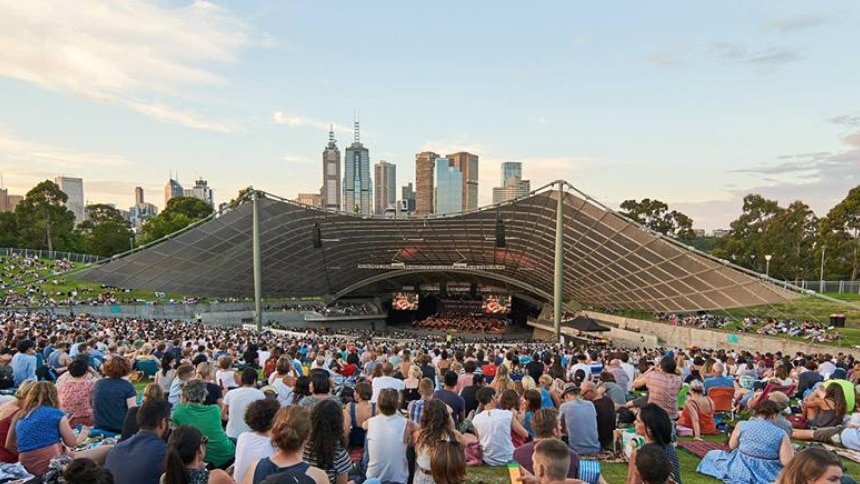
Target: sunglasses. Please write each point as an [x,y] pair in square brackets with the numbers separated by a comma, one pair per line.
[204,440]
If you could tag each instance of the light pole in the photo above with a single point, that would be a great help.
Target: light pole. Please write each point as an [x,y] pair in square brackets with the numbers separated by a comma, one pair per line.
[821,274]
[767,258]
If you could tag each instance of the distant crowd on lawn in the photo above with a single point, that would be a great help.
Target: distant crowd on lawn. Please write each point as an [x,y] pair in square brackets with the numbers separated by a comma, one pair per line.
[228,404]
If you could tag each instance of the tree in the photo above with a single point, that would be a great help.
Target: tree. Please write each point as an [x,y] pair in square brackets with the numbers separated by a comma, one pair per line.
[840,234]
[105,232]
[179,213]
[99,213]
[43,220]
[8,230]
[655,215]
[241,197]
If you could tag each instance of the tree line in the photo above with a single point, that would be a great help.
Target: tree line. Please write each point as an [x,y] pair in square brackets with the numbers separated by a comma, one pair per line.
[43,221]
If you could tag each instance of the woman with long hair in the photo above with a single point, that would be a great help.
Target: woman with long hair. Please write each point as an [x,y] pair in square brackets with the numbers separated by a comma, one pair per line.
[826,406]
[698,412]
[812,466]
[410,386]
[502,380]
[437,442]
[8,413]
[186,451]
[290,433]
[531,403]
[302,389]
[510,401]
[327,446]
[653,424]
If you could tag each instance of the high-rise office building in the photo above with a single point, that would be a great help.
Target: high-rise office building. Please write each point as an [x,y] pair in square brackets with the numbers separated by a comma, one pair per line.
[513,186]
[384,186]
[425,164]
[310,199]
[357,187]
[468,165]
[141,211]
[407,196]
[74,189]
[330,191]
[449,187]
[138,195]
[4,200]
[201,191]
[172,190]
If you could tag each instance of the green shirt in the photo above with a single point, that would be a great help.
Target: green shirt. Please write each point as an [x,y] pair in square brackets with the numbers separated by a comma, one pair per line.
[207,419]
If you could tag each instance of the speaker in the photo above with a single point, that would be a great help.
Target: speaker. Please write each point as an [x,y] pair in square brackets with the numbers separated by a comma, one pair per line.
[500,233]
[316,237]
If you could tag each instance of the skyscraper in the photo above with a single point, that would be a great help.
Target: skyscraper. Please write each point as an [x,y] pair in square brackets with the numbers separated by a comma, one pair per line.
[74,188]
[138,195]
[171,190]
[407,196]
[384,186]
[330,191]
[449,187]
[513,186]
[425,164]
[357,188]
[468,165]
[201,191]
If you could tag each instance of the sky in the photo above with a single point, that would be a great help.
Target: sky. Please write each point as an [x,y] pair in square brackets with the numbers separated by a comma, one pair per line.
[693,103]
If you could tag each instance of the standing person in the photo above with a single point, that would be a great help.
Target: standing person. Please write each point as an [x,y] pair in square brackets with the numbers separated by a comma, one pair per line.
[454,401]
[663,386]
[698,412]
[388,436]
[236,403]
[220,450]
[326,448]
[185,459]
[257,442]
[812,465]
[131,460]
[654,426]
[494,427]
[291,430]
[113,395]
[579,421]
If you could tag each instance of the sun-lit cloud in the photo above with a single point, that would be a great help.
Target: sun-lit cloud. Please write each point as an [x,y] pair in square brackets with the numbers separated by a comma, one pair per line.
[133,53]
[294,120]
[793,24]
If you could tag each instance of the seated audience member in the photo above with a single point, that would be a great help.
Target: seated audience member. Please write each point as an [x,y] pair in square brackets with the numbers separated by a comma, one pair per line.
[388,436]
[807,378]
[758,450]
[546,426]
[494,428]
[186,453]
[606,417]
[220,450]
[153,391]
[698,412]
[258,442]
[579,421]
[652,465]
[131,460]
[448,396]
[385,381]
[469,393]
[812,465]
[356,413]
[291,431]
[9,413]
[825,407]
[326,448]
[113,395]
[183,374]
[551,462]
[236,403]
[76,392]
[610,388]
[416,407]
[436,435]
[87,471]
[717,379]
[653,424]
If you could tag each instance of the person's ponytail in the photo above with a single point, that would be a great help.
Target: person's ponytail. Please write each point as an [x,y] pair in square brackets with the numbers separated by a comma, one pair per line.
[174,469]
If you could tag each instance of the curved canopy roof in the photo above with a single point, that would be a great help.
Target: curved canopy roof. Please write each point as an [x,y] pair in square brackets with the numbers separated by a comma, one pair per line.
[609,261]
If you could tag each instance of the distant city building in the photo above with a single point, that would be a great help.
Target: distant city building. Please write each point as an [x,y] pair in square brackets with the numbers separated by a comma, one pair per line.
[699,232]
[720,233]
[74,188]
[331,174]
[468,165]
[513,186]
[384,186]
[201,191]
[449,187]
[12,201]
[398,210]
[140,213]
[138,195]
[357,187]
[310,199]
[4,200]
[172,190]
[425,164]
[407,196]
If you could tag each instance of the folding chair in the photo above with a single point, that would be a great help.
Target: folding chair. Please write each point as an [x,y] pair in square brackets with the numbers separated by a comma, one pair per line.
[724,400]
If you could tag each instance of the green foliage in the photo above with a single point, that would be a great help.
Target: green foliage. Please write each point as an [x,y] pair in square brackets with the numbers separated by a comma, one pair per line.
[179,213]
[8,230]
[840,234]
[99,213]
[105,232]
[655,215]
[705,244]
[241,197]
[43,220]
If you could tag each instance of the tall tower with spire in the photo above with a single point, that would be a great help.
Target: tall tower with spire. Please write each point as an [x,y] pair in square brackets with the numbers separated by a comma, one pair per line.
[357,185]
[330,191]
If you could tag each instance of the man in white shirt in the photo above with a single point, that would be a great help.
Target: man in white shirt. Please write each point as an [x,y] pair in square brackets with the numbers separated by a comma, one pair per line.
[236,403]
[385,381]
[629,369]
[580,365]
[494,427]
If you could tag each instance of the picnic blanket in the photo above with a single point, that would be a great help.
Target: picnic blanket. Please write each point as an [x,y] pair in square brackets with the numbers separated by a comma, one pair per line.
[849,454]
[701,448]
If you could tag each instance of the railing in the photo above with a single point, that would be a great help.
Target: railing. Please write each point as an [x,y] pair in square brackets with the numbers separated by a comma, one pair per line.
[51,255]
[841,287]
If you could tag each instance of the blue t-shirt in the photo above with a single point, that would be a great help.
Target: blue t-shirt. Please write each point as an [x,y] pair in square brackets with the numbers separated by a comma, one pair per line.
[39,429]
[133,461]
[23,367]
[109,403]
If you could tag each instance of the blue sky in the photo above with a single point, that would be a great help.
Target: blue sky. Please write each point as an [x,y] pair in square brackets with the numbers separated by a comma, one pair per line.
[692,103]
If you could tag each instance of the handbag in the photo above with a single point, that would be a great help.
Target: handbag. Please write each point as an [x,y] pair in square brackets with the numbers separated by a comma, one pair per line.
[474,454]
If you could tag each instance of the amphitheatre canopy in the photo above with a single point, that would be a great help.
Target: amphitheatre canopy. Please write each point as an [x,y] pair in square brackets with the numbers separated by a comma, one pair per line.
[609,261]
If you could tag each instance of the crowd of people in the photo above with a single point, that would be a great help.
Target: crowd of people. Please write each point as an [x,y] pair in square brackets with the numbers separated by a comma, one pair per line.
[462,323]
[702,321]
[347,308]
[811,330]
[228,404]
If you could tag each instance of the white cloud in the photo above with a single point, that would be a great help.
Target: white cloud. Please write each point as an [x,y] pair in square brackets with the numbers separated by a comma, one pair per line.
[294,120]
[130,52]
[17,153]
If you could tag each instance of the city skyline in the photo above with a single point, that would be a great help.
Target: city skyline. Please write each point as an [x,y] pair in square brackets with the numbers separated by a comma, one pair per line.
[696,105]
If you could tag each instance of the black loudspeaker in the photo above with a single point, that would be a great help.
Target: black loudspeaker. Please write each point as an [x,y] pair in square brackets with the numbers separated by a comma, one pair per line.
[316,237]
[837,320]
[500,233]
